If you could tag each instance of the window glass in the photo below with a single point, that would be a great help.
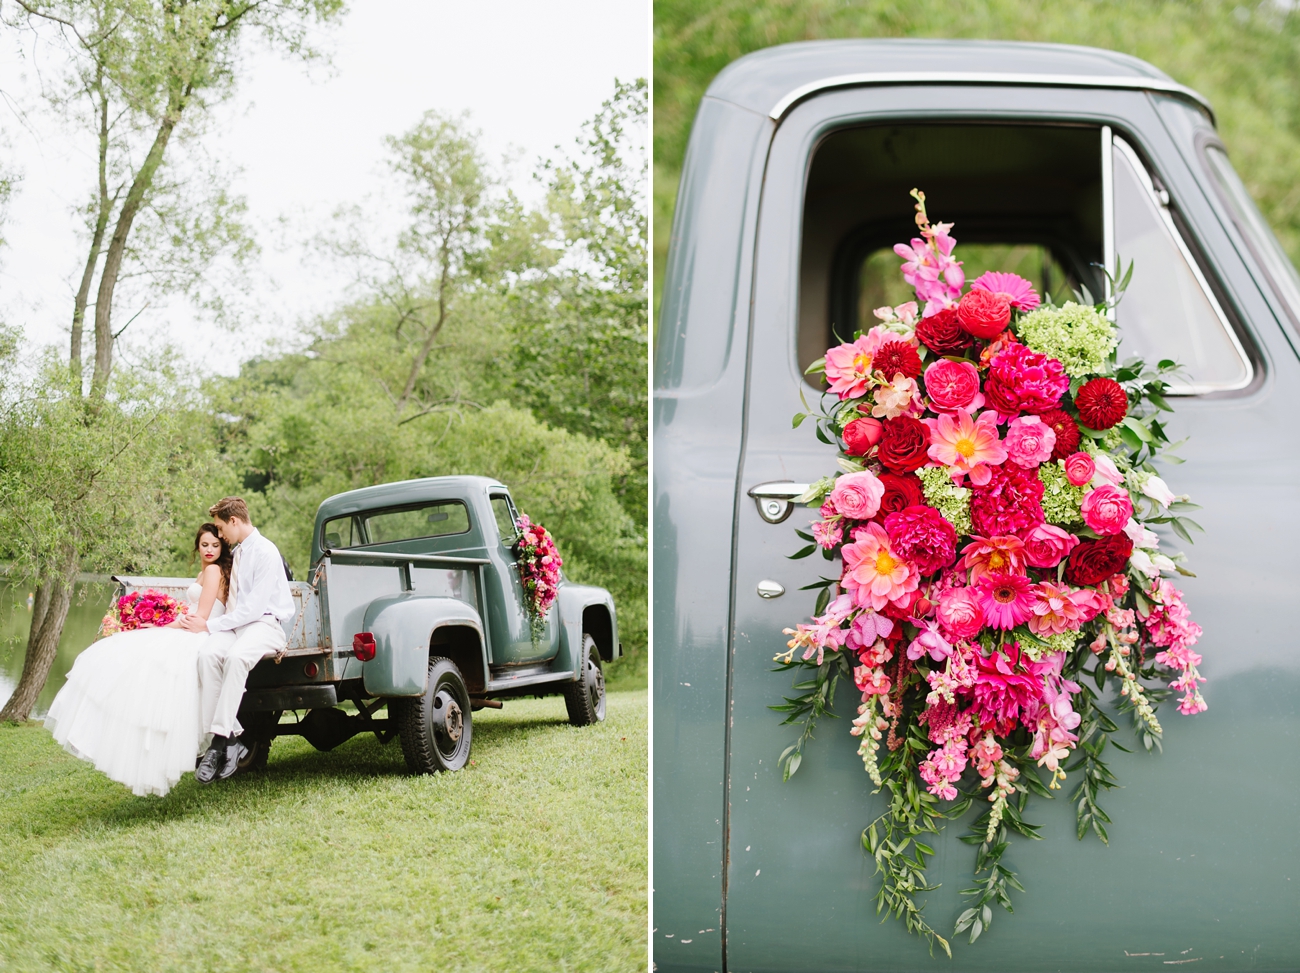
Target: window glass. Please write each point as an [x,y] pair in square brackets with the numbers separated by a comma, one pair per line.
[1276,264]
[342,532]
[505,520]
[1168,310]
[428,520]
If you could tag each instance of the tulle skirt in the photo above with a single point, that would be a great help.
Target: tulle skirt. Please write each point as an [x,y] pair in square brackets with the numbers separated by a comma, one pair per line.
[131,707]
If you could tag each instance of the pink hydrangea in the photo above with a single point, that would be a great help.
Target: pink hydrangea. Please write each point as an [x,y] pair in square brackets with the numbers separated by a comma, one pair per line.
[857,495]
[874,573]
[1107,509]
[923,536]
[1029,441]
[1020,380]
[1007,599]
[1011,502]
[1017,290]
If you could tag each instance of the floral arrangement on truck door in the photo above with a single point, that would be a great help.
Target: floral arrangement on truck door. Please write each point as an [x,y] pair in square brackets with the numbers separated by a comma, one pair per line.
[993,515]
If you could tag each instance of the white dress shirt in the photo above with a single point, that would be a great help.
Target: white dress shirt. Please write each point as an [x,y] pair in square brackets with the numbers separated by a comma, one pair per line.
[258,586]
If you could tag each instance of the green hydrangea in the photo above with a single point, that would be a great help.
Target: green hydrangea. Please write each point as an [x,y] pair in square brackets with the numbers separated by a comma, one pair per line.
[946,497]
[1060,642]
[1074,334]
[1061,501]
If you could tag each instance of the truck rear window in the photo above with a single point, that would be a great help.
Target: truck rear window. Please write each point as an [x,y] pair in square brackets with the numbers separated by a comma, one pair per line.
[386,526]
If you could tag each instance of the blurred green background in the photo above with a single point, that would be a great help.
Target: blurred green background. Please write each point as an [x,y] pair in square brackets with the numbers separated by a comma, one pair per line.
[1244,57]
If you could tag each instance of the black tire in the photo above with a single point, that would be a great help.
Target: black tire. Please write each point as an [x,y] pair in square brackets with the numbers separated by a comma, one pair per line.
[436,729]
[585,698]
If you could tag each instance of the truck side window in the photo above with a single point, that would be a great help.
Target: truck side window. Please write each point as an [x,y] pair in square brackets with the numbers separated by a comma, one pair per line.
[1168,310]
[427,520]
[341,533]
[505,520]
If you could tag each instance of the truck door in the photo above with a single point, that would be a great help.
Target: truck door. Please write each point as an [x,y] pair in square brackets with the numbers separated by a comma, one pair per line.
[513,641]
[1047,183]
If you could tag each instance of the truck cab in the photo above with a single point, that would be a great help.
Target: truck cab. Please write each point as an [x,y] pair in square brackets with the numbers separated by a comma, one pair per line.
[1053,162]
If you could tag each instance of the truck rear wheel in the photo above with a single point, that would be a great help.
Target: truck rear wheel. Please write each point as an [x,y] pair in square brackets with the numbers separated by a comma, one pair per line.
[585,698]
[436,728]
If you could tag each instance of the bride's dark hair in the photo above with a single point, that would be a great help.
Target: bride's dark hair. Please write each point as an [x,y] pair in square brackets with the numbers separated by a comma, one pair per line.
[224,559]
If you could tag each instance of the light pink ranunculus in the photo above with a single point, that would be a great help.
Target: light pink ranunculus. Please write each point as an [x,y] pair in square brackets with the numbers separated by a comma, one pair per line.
[857,495]
[1029,441]
[960,613]
[1107,509]
[1046,545]
[953,385]
[1080,469]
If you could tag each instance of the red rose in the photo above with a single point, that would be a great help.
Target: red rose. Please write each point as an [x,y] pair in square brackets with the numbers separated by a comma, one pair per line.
[904,446]
[984,314]
[860,435]
[1092,562]
[897,357]
[1067,432]
[942,334]
[1101,403]
[901,491]
[908,608]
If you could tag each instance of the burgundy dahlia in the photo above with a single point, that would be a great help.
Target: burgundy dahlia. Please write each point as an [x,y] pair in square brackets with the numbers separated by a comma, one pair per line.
[1067,432]
[1101,403]
[894,357]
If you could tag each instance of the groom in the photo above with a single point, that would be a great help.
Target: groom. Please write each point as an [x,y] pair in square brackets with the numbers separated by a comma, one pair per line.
[248,632]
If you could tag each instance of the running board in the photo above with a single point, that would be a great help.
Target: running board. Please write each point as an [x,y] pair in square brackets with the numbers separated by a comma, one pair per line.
[499,683]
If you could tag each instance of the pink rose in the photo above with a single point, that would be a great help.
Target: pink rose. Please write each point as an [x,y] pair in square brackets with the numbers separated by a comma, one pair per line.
[1029,441]
[1107,509]
[857,495]
[960,613]
[1046,545]
[953,385]
[1080,469]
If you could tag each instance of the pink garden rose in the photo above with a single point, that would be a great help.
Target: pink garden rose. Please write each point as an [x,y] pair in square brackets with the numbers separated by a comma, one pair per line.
[1107,509]
[960,613]
[1029,441]
[1080,469]
[857,495]
[1047,545]
[953,385]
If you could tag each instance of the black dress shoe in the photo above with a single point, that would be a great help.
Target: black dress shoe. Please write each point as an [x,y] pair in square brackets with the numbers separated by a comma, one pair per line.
[210,765]
[234,753]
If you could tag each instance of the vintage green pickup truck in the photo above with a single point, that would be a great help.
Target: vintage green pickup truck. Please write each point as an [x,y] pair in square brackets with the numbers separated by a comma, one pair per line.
[415,603]
[793,192]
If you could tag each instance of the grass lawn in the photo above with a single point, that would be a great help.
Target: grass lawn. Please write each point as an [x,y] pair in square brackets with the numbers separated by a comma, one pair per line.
[532,858]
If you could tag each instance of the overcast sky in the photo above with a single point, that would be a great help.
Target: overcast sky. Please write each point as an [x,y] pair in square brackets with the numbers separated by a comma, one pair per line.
[310,138]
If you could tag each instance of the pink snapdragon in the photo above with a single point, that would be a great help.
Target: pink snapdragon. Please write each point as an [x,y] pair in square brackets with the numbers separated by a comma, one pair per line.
[966,445]
[1029,441]
[929,267]
[873,572]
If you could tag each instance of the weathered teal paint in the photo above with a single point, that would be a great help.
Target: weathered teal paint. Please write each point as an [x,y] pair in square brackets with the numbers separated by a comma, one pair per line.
[403,625]
[755,874]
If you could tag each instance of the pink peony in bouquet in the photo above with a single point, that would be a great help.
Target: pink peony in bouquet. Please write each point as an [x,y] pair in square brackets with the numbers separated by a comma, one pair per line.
[539,569]
[994,519]
[141,609]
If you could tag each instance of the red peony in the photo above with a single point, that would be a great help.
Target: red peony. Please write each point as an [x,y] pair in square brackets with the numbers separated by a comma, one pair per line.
[1067,432]
[905,444]
[1092,562]
[860,435]
[1021,380]
[894,357]
[1011,502]
[902,490]
[923,536]
[942,334]
[1101,403]
[984,314]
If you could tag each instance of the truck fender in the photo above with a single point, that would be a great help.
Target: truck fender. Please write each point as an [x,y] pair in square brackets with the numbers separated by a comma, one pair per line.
[585,608]
[404,626]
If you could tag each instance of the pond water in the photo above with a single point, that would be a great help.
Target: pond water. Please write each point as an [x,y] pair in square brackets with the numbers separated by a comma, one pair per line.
[89,602]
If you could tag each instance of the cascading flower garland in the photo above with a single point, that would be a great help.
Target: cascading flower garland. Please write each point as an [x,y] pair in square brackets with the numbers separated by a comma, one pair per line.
[539,570]
[993,518]
[141,609]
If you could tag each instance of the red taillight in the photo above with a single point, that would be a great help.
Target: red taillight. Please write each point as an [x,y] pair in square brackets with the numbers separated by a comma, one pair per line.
[363,646]
[310,670]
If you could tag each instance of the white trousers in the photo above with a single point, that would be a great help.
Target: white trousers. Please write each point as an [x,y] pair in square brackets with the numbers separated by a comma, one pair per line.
[224,663]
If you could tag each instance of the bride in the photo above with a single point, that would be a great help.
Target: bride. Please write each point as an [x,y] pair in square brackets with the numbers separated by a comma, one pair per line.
[131,702]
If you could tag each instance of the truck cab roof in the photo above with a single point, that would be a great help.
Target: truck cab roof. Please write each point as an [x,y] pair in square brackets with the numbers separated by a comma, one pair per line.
[407,491]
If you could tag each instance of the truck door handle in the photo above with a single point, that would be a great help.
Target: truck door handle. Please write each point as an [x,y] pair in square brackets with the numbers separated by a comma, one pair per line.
[775,500]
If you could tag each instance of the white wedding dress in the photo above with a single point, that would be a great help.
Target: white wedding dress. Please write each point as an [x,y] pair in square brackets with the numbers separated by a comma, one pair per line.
[131,705]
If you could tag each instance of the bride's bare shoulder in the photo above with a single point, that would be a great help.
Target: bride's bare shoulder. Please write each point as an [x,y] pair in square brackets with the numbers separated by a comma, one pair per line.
[211,574]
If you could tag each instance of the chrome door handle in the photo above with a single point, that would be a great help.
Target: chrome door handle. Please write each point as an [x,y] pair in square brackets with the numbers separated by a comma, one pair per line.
[776,499]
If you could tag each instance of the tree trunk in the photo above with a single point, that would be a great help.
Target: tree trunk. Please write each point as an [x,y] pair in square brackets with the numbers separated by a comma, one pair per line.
[53,598]
[97,236]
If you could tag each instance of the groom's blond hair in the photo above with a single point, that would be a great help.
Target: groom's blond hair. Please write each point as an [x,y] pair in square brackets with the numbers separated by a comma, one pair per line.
[230,508]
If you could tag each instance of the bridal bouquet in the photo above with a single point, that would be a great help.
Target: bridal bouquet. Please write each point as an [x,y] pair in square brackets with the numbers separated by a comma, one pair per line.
[993,520]
[141,609]
[539,569]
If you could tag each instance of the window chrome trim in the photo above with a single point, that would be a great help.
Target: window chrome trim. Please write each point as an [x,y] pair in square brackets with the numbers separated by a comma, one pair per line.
[1108,213]
[1161,201]
[990,78]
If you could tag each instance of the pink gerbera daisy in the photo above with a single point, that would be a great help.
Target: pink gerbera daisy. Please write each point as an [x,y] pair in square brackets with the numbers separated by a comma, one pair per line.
[1017,290]
[1007,599]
